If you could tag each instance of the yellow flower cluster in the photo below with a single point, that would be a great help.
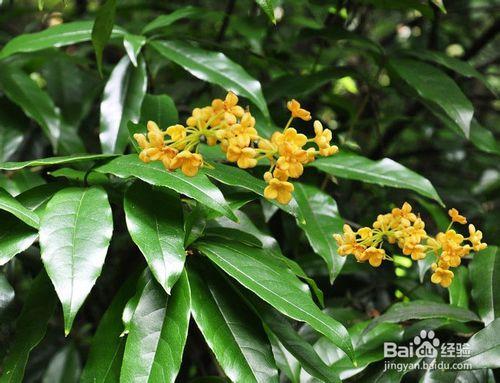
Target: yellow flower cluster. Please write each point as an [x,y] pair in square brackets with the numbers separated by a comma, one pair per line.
[405,229]
[226,123]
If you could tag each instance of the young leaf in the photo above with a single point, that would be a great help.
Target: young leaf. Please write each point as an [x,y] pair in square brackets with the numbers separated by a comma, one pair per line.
[122,100]
[435,88]
[30,328]
[74,237]
[215,68]
[57,36]
[160,109]
[106,351]
[319,218]
[158,333]
[278,286]
[231,330]
[198,187]
[23,91]
[484,273]
[55,161]
[13,206]
[101,31]
[155,223]
[385,172]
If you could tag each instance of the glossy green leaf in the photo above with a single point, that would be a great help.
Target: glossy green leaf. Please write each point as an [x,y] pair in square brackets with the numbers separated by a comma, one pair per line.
[231,330]
[318,216]
[278,286]
[484,348]
[6,293]
[158,333]
[55,161]
[155,223]
[233,176]
[198,187]
[75,231]
[164,21]
[40,304]
[121,103]
[160,109]
[453,63]
[35,103]
[131,305]
[65,366]
[101,31]
[385,172]
[13,206]
[133,45]
[215,68]
[11,132]
[106,351]
[57,36]
[435,88]
[285,361]
[419,309]
[281,328]
[268,8]
[484,273]
[459,288]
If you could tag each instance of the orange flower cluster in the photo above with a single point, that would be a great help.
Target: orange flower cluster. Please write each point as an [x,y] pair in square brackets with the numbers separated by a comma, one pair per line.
[405,229]
[226,123]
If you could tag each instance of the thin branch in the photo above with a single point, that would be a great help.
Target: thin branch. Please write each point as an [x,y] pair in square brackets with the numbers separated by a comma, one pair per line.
[483,40]
[227,17]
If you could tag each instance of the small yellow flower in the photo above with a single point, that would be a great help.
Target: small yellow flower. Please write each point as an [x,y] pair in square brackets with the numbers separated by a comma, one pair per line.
[280,174]
[244,132]
[189,162]
[441,276]
[373,255]
[245,158]
[323,136]
[230,106]
[475,237]
[294,107]
[329,151]
[456,217]
[279,190]
[291,136]
[176,132]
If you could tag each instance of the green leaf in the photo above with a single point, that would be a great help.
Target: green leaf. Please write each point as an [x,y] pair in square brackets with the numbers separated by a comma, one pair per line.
[268,7]
[35,103]
[233,176]
[231,330]
[385,172]
[133,45]
[164,21]
[436,89]
[457,65]
[121,103]
[11,131]
[101,31]
[6,293]
[106,351]
[13,206]
[57,36]
[459,288]
[484,348]
[197,187]
[55,161]
[318,216]
[439,4]
[215,68]
[31,326]
[484,272]
[65,366]
[155,223]
[160,109]
[75,231]
[131,306]
[403,311]
[275,284]
[158,333]
[281,328]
